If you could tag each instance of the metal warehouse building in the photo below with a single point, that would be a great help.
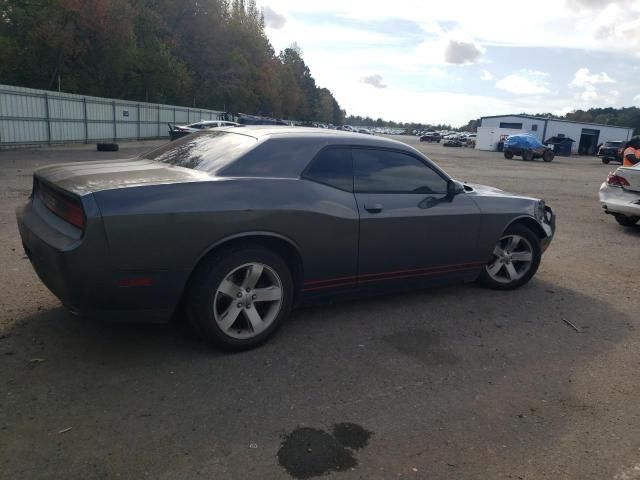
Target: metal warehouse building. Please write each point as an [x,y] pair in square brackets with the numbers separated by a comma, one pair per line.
[586,136]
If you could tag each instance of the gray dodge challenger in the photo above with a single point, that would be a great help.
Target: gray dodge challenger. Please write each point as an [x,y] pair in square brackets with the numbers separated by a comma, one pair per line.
[235,227]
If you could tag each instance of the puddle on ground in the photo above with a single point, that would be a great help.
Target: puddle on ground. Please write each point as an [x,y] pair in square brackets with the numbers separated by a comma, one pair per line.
[308,452]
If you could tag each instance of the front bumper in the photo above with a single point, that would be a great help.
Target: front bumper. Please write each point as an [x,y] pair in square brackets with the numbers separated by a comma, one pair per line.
[549,226]
[620,201]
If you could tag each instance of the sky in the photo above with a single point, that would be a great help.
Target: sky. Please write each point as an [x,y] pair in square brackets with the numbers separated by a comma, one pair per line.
[452,61]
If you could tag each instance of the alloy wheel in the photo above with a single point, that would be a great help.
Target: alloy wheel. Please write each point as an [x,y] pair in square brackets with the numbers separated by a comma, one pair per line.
[512,259]
[248,300]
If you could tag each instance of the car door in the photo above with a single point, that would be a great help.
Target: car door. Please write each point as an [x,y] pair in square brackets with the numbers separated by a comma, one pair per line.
[409,227]
[330,237]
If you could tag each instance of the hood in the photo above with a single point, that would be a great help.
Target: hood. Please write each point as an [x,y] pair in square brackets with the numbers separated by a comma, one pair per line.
[82,178]
[476,187]
[487,191]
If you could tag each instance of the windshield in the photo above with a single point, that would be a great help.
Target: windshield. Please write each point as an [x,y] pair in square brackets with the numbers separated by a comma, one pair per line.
[613,144]
[208,151]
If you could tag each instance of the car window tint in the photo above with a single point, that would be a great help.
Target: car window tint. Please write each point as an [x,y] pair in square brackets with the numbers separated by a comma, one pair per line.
[381,171]
[209,150]
[333,167]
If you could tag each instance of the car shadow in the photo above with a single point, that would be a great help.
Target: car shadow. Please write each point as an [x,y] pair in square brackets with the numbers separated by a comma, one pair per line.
[471,368]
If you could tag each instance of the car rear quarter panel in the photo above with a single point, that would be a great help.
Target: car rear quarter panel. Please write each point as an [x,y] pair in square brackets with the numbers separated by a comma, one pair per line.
[170,227]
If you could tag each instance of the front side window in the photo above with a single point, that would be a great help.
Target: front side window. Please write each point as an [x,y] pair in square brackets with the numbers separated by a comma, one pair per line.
[333,167]
[383,171]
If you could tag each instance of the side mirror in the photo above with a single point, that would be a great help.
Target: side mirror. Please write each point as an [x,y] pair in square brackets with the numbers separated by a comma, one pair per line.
[454,188]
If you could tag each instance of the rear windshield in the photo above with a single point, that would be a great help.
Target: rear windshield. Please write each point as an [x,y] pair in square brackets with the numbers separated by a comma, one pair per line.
[613,144]
[208,151]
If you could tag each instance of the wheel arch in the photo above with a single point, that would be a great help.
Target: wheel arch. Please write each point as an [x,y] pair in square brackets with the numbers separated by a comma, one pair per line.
[280,244]
[529,222]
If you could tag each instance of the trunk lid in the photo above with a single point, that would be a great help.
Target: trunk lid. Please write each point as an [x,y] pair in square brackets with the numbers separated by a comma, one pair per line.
[82,178]
[632,175]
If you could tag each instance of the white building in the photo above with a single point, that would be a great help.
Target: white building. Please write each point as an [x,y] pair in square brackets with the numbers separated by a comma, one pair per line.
[586,136]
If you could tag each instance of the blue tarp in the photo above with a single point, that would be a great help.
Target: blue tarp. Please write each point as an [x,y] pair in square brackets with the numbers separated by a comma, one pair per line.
[522,140]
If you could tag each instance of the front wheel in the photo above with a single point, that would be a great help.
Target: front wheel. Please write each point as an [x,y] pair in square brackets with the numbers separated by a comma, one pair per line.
[239,298]
[508,155]
[547,156]
[626,221]
[514,261]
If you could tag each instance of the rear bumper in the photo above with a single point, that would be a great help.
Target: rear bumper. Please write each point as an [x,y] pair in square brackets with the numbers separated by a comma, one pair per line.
[620,201]
[79,274]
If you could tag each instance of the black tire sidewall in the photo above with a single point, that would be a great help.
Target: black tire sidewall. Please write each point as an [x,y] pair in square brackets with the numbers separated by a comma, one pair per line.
[206,281]
[533,239]
[527,156]
[625,220]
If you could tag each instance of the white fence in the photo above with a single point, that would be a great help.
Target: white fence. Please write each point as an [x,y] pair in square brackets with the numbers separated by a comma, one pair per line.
[40,117]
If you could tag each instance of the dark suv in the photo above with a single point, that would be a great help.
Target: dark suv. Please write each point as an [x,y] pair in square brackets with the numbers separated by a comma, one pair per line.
[431,137]
[611,151]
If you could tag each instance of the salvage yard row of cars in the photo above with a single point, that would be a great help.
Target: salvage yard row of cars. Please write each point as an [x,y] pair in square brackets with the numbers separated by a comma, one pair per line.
[231,228]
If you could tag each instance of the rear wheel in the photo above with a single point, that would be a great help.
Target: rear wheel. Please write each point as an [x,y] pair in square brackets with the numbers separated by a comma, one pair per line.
[515,259]
[625,220]
[239,298]
[547,156]
[508,155]
[527,155]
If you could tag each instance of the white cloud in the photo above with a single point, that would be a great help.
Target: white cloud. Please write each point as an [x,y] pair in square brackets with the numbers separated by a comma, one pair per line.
[587,85]
[584,79]
[527,82]
[374,81]
[636,101]
[273,19]
[486,75]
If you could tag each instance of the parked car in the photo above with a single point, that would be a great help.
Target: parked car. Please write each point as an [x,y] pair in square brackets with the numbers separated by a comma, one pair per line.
[237,226]
[453,143]
[179,131]
[526,146]
[620,195]
[366,131]
[431,137]
[611,151]
[258,120]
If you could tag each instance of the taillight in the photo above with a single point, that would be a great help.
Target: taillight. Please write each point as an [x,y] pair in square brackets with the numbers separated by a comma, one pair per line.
[64,206]
[617,181]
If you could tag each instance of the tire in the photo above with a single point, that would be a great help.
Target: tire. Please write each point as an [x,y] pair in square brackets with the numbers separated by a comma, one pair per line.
[508,155]
[222,289]
[605,161]
[498,273]
[548,156]
[625,220]
[527,155]
[107,147]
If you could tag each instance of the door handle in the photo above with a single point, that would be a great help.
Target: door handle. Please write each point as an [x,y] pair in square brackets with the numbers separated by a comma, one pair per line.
[375,208]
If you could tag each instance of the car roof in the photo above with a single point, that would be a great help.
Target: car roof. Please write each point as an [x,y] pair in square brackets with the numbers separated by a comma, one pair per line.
[321,134]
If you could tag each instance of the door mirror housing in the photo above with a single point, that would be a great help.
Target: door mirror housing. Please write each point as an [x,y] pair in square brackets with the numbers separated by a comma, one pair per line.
[454,188]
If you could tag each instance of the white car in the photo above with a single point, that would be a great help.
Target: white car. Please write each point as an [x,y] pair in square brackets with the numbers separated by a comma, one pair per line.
[620,195]
[177,131]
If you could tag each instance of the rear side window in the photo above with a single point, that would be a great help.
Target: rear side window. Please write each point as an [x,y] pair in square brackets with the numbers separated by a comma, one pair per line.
[333,167]
[208,151]
[383,171]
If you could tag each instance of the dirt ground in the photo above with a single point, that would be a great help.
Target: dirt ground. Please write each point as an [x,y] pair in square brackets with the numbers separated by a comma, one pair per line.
[454,383]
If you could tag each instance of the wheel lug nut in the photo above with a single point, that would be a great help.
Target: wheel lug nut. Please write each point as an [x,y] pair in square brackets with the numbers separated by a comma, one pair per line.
[239,295]
[254,296]
[239,305]
[248,290]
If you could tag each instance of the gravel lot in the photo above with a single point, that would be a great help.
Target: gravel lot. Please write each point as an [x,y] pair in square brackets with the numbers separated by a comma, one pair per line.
[455,383]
